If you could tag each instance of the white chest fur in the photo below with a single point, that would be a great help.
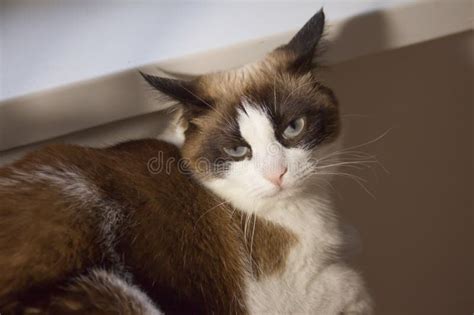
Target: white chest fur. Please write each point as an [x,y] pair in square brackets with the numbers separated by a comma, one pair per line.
[311,282]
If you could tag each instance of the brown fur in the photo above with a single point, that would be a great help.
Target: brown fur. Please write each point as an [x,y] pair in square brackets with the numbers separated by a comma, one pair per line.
[98,292]
[183,246]
[267,244]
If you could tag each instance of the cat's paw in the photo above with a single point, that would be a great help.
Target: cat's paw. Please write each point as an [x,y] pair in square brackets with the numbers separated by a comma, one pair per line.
[361,305]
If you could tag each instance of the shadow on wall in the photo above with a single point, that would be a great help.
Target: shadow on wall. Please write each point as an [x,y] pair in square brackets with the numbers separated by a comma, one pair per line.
[353,37]
[417,232]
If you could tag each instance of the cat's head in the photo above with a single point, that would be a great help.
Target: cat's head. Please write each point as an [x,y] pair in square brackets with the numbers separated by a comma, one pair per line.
[256,133]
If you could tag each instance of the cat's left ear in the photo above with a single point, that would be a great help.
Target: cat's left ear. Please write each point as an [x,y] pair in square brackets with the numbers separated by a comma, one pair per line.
[185,92]
[301,49]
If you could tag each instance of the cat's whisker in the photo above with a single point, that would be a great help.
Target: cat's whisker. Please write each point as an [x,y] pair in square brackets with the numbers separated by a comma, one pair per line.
[336,172]
[327,184]
[257,191]
[246,226]
[360,181]
[367,163]
[274,95]
[253,233]
[209,210]
[351,157]
[355,164]
[232,213]
[365,143]
[344,153]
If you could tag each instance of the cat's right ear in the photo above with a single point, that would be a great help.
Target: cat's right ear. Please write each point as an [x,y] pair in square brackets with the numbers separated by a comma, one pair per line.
[302,47]
[184,92]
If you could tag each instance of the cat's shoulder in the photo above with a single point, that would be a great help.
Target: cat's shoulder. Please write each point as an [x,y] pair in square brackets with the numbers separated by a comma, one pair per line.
[65,153]
[145,146]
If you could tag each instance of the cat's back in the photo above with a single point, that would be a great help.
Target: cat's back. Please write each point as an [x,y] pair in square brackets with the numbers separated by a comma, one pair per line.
[129,177]
[82,205]
[137,162]
[126,175]
[47,188]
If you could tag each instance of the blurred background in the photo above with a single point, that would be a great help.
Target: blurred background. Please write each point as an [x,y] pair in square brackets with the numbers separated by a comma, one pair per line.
[68,73]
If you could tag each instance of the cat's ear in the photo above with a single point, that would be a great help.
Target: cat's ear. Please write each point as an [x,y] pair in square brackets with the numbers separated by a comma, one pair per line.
[302,47]
[185,92]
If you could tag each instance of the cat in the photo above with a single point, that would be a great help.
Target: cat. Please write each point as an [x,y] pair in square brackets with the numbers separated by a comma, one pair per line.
[239,221]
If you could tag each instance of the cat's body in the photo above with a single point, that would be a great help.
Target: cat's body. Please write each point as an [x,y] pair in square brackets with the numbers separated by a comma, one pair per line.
[110,210]
[272,265]
[252,231]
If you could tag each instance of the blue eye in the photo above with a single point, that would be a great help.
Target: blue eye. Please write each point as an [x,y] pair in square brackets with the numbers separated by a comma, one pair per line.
[294,128]
[237,151]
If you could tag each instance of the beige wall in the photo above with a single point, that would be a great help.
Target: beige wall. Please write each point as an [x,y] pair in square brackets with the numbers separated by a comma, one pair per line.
[418,234]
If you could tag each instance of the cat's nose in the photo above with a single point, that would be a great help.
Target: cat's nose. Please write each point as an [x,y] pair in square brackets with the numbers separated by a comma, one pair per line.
[276,176]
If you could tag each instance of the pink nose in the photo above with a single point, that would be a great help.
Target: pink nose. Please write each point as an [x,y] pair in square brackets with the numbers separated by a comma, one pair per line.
[276,177]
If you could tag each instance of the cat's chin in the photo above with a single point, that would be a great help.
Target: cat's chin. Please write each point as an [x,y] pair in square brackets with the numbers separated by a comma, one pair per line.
[275,192]
[280,193]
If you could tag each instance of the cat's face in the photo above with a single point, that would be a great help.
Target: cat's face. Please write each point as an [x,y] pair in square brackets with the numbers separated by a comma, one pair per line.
[265,141]
[256,133]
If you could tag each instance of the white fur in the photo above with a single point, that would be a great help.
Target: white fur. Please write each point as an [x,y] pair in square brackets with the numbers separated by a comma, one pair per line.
[67,179]
[314,282]
[174,134]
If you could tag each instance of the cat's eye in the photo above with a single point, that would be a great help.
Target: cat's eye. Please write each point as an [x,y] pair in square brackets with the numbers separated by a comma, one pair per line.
[294,128]
[237,152]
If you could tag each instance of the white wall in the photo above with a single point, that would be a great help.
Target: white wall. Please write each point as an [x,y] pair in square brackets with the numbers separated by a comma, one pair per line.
[49,43]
